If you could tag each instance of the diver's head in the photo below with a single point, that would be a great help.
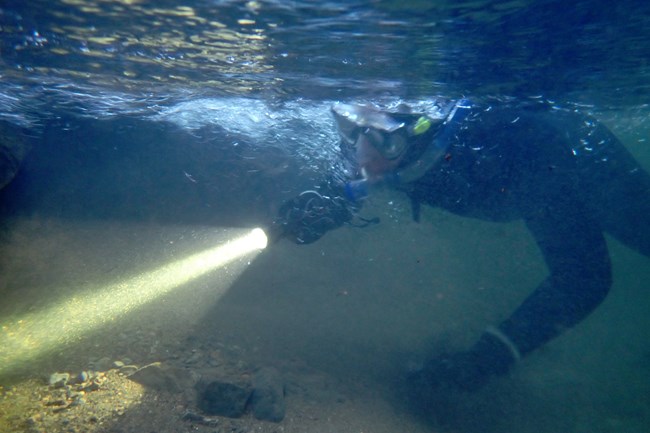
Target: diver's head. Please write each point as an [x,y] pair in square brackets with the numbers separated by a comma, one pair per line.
[380,138]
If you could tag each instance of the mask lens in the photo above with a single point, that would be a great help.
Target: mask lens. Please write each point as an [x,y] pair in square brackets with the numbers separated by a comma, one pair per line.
[385,133]
[390,145]
[348,131]
[395,145]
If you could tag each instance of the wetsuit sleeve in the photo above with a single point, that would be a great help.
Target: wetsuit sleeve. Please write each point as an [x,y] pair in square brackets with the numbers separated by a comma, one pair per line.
[579,278]
[576,255]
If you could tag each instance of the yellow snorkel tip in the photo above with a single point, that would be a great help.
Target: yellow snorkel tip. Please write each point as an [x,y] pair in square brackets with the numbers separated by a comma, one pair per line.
[422,125]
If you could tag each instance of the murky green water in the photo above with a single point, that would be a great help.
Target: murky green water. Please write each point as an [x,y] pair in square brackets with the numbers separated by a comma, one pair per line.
[159,128]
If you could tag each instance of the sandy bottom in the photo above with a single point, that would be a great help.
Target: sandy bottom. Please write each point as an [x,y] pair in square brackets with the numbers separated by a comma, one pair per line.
[341,320]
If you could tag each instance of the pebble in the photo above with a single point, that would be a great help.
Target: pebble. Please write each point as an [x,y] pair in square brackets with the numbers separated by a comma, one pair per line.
[93,386]
[74,394]
[196,357]
[268,395]
[77,400]
[102,364]
[200,419]
[159,377]
[83,377]
[214,362]
[128,370]
[59,380]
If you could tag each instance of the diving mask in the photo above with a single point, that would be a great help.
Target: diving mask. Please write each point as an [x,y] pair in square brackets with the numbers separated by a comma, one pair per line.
[387,133]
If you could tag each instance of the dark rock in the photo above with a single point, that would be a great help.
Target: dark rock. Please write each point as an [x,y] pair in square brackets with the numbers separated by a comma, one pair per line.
[267,400]
[13,148]
[224,399]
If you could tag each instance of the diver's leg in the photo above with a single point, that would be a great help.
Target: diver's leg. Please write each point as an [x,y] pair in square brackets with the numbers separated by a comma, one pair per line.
[620,189]
[626,215]
[625,208]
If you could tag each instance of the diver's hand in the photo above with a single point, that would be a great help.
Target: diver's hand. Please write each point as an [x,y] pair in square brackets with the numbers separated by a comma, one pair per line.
[462,370]
[307,217]
[466,371]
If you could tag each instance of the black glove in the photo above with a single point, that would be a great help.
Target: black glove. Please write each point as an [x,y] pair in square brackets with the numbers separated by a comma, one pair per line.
[309,216]
[466,371]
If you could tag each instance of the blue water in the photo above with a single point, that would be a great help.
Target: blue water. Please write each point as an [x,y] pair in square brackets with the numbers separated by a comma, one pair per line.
[210,113]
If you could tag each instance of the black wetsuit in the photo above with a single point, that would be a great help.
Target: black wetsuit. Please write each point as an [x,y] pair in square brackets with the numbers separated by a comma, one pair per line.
[564,173]
[569,178]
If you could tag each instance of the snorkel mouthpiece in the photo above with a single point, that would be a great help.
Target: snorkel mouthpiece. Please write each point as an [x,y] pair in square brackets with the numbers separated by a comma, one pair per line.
[356,190]
[359,189]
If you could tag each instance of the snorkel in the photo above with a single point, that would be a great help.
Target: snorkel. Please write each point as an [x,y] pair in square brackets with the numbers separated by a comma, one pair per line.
[350,116]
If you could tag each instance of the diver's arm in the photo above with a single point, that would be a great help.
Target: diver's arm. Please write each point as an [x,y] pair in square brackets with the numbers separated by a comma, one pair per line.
[579,278]
[576,255]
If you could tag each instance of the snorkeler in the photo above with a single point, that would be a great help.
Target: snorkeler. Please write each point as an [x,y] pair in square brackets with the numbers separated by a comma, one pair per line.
[562,172]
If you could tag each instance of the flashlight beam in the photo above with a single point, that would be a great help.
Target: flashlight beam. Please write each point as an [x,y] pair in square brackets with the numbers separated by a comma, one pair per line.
[38,332]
